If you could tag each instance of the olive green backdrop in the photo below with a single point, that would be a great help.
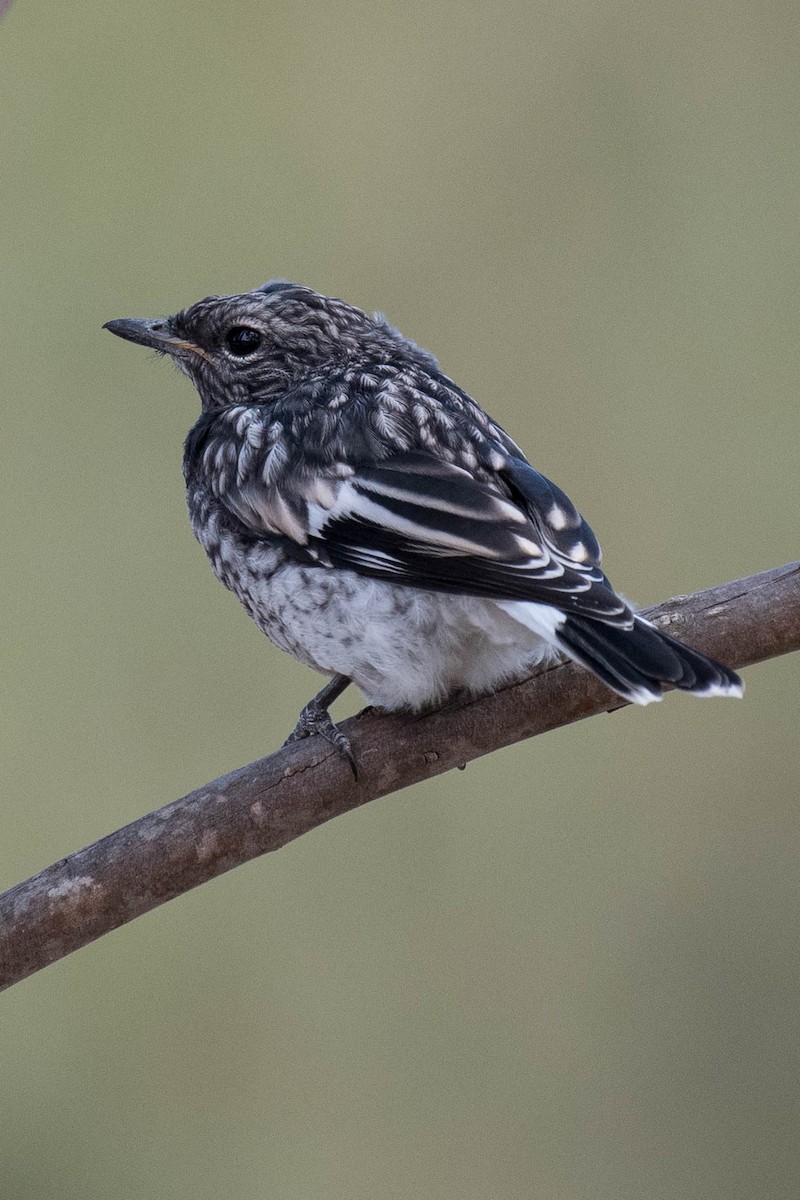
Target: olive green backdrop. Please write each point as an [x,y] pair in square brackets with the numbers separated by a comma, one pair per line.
[572,971]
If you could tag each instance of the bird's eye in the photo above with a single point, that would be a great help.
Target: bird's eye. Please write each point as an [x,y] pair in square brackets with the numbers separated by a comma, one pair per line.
[241,340]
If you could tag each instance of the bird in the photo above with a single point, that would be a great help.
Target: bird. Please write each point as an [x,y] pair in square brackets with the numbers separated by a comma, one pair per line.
[378,525]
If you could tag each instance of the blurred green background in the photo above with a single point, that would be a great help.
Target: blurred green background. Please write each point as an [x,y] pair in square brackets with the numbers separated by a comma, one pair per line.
[572,971]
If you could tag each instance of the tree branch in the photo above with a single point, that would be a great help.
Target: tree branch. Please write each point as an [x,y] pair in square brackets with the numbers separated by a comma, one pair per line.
[263,806]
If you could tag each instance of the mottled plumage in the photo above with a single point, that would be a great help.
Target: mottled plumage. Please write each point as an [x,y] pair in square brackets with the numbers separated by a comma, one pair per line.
[378,525]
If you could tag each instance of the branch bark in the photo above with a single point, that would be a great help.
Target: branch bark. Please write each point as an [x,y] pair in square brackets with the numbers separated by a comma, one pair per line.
[270,802]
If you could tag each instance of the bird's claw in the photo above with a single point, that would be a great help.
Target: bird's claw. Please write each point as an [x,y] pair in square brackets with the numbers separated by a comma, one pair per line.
[316,719]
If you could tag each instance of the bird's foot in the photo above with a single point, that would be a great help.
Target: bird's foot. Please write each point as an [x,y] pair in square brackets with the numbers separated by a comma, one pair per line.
[315,718]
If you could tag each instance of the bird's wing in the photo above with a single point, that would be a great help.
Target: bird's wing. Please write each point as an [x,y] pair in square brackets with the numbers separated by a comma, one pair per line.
[423,522]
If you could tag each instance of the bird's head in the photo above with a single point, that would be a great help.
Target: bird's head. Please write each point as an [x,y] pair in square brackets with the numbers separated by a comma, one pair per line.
[253,347]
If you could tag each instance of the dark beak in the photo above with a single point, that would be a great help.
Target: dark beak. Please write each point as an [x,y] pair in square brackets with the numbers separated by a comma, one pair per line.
[145,333]
[157,334]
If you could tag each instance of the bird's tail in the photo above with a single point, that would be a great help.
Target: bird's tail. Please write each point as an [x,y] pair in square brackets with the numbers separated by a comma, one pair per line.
[639,663]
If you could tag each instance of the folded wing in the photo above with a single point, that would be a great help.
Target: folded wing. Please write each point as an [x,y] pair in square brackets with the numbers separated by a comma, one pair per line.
[420,521]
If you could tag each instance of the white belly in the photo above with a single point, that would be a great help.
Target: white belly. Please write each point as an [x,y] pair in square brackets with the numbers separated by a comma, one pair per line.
[405,649]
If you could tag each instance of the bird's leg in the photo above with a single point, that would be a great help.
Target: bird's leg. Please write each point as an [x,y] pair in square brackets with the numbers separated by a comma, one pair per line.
[315,718]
